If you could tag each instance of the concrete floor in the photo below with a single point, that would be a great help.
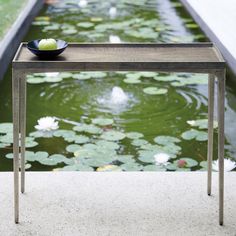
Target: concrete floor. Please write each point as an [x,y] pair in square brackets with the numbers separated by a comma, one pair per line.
[217,19]
[132,203]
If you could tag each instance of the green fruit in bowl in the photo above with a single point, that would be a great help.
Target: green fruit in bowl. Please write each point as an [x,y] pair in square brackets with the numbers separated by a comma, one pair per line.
[47,44]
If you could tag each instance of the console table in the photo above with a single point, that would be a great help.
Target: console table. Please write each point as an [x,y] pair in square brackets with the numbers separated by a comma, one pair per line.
[196,57]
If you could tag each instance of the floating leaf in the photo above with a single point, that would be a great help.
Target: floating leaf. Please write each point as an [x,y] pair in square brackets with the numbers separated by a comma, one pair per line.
[147,156]
[165,140]
[4,145]
[107,144]
[81,76]
[190,162]
[125,158]
[201,123]
[113,135]
[53,79]
[134,135]
[91,129]
[155,91]
[148,74]
[153,168]
[131,166]
[195,134]
[102,121]
[132,81]
[73,148]
[6,128]
[69,31]
[80,139]
[96,19]
[85,25]
[35,80]
[139,142]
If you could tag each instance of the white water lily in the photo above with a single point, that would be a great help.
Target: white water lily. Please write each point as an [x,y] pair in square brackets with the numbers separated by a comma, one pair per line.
[82,3]
[114,39]
[47,124]
[112,12]
[228,165]
[161,158]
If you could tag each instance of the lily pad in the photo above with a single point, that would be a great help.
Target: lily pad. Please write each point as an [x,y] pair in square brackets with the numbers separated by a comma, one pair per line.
[73,148]
[190,162]
[139,142]
[201,123]
[134,135]
[132,81]
[131,166]
[53,79]
[91,129]
[102,121]
[113,135]
[165,140]
[69,31]
[85,25]
[153,168]
[125,158]
[195,134]
[6,128]
[107,145]
[155,91]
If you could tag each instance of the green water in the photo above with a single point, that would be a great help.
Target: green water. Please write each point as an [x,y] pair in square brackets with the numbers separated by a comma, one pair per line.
[74,100]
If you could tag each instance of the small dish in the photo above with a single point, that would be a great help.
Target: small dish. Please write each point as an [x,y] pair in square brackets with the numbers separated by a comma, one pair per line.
[46,54]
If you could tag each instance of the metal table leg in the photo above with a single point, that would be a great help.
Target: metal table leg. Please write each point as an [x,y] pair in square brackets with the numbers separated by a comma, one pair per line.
[22,129]
[15,103]
[211,90]
[221,111]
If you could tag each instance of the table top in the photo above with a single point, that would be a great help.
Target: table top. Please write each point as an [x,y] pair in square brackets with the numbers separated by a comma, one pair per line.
[125,57]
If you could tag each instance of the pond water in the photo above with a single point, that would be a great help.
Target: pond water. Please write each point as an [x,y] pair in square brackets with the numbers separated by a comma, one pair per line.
[115,121]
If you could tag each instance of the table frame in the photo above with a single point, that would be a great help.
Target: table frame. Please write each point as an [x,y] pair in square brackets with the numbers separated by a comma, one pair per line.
[19,113]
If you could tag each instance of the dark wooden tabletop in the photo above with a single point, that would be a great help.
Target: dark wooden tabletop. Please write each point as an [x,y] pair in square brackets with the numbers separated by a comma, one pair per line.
[137,57]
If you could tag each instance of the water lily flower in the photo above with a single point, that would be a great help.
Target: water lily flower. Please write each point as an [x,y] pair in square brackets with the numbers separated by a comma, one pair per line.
[112,12]
[181,163]
[114,39]
[47,124]
[228,165]
[161,158]
[82,3]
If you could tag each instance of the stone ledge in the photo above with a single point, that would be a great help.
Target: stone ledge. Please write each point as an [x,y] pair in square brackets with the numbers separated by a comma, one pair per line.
[117,203]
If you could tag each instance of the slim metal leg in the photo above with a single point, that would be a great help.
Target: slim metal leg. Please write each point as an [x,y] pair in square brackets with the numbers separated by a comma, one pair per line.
[221,111]
[15,101]
[22,129]
[211,90]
